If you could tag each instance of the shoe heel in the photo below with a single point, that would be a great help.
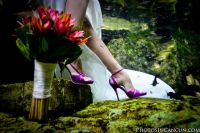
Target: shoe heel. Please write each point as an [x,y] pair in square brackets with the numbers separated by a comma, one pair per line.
[116,93]
[61,69]
[113,85]
[131,93]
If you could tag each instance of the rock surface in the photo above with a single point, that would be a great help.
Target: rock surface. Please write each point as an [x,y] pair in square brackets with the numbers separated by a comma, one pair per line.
[66,96]
[116,116]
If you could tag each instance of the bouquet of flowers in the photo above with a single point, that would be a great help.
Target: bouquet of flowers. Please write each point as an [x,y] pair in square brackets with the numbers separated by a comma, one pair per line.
[49,36]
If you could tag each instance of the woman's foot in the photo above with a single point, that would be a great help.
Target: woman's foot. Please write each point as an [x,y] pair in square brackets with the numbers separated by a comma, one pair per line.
[123,79]
[77,75]
[120,79]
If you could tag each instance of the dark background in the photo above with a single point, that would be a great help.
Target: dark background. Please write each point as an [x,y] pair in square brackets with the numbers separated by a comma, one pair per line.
[14,67]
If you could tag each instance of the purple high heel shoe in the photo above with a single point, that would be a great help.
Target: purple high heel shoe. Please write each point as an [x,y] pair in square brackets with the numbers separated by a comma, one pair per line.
[78,78]
[131,93]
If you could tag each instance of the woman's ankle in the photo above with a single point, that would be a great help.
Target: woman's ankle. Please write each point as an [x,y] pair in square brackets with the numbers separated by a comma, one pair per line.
[123,78]
[73,68]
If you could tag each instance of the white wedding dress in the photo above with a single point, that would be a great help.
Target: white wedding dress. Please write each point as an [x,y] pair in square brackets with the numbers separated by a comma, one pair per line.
[94,67]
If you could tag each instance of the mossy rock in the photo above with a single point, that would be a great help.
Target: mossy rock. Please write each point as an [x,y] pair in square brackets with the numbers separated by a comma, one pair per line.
[128,116]
[116,117]
[66,96]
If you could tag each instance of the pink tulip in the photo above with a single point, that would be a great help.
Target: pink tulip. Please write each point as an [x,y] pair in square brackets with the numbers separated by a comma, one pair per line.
[76,35]
[41,11]
[72,22]
[41,22]
[62,23]
[65,18]
[35,24]
[59,27]
[46,27]
[39,26]
[49,19]
[26,20]
[54,14]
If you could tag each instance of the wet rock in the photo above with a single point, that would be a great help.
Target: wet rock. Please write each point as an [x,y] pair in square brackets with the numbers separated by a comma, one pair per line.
[66,97]
[117,116]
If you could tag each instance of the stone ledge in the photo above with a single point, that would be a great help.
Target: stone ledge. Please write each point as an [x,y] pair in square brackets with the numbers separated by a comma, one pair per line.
[66,96]
[116,116]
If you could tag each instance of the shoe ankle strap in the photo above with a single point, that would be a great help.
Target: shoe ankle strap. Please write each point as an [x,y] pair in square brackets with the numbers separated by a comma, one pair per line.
[74,68]
[117,71]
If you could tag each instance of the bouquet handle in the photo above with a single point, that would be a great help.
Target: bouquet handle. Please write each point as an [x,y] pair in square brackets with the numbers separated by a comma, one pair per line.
[43,77]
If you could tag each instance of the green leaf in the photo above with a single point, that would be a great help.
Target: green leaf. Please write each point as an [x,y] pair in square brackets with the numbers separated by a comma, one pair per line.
[46,48]
[23,48]
[44,45]
[23,31]
[70,52]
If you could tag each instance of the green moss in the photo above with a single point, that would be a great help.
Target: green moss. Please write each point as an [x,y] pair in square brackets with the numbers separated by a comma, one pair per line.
[116,116]
[195,124]
[143,50]
[4,115]
[114,23]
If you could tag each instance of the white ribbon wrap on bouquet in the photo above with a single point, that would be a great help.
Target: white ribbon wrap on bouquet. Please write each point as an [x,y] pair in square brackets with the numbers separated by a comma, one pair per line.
[43,76]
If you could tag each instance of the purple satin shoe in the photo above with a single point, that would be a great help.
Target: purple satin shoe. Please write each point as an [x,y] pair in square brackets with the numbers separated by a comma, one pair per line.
[131,93]
[78,78]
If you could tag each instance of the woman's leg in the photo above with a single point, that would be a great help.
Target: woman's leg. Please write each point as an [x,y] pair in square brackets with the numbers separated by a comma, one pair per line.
[78,9]
[101,50]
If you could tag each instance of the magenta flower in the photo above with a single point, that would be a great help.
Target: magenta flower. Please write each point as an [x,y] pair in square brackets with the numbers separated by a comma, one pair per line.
[54,14]
[40,25]
[50,36]
[26,20]
[48,19]
[76,35]
[59,27]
